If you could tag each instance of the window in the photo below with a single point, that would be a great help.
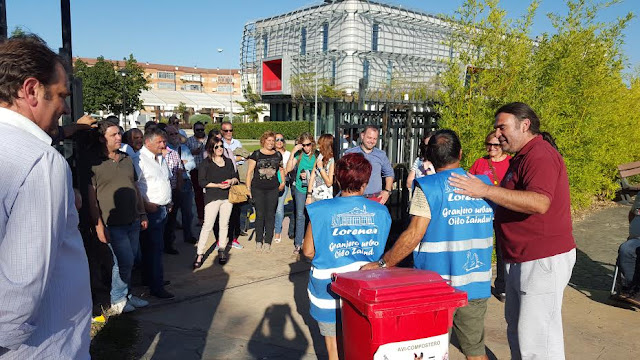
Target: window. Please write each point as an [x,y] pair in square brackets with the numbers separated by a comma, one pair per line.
[166,75]
[191,77]
[365,69]
[191,87]
[389,72]
[167,85]
[303,41]
[225,79]
[265,45]
[325,37]
[333,72]
[374,37]
[225,88]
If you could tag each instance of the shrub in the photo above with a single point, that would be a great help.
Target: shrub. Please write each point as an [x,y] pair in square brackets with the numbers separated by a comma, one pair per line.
[200,117]
[290,129]
[573,79]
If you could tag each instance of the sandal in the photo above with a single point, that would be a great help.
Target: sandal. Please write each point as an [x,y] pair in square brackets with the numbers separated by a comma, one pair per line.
[198,263]
[277,240]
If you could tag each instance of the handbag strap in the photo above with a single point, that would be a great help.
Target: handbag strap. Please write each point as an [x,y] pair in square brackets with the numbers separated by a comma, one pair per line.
[493,171]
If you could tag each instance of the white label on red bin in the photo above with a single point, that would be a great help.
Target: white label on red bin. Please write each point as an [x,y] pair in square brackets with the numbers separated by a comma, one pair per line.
[433,348]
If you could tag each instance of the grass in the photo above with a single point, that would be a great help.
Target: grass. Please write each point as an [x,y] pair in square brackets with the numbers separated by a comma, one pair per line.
[115,339]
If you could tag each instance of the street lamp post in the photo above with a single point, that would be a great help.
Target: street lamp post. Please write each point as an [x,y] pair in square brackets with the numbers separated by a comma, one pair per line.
[230,93]
[123,72]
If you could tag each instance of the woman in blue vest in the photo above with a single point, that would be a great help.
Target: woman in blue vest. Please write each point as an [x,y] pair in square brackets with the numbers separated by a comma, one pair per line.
[344,233]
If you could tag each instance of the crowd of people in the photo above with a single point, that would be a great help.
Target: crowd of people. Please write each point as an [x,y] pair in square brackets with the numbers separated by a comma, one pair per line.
[133,184]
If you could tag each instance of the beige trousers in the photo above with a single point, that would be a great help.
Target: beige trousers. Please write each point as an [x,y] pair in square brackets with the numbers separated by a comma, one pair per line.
[211,211]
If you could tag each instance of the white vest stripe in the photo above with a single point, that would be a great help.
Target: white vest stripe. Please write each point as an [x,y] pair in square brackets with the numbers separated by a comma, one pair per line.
[323,303]
[462,280]
[462,245]
[324,274]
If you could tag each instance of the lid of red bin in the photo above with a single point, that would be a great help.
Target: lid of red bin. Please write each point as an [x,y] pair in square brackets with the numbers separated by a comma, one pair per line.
[391,288]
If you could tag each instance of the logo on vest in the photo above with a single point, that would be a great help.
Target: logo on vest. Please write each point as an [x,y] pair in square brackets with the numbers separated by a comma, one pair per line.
[355,217]
[473,262]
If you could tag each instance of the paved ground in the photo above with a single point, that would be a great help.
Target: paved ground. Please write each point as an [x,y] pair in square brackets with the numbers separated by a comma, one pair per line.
[256,306]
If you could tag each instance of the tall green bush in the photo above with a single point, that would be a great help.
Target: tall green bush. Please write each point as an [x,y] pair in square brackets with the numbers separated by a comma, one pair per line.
[573,79]
[203,118]
[290,129]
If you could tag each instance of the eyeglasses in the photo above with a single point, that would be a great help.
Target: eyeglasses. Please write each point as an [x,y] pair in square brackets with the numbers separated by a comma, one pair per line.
[309,144]
[218,147]
[230,130]
[492,145]
[279,139]
[172,133]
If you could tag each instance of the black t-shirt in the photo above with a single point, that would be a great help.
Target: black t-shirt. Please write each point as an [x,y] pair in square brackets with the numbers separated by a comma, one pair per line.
[210,172]
[265,174]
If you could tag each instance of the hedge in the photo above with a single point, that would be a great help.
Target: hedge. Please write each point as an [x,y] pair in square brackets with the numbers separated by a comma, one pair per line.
[290,129]
[200,117]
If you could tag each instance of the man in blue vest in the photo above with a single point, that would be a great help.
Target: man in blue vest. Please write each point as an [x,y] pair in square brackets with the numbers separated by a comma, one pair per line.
[456,242]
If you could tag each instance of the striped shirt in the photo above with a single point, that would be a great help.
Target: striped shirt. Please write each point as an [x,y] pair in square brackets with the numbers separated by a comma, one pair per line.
[45,298]
[193,143]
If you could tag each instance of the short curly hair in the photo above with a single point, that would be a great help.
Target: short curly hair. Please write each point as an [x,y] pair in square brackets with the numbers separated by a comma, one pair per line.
[352,171]
[265,135]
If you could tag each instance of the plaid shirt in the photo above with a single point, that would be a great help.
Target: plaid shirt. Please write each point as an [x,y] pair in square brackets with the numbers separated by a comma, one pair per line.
[194,144]
[174,163]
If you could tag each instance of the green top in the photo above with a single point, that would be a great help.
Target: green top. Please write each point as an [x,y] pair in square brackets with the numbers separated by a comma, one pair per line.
[305,162]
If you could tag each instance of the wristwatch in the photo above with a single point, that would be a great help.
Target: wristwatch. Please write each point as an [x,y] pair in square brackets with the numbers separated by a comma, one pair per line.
[382,264]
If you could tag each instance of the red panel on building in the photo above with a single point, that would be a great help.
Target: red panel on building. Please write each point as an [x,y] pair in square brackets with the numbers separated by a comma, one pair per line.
[272,75]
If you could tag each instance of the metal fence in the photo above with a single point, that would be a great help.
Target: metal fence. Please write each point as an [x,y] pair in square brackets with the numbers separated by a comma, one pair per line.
[400,134]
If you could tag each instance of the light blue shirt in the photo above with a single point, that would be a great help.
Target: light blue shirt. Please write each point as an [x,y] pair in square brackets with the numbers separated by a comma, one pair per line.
[45,298]
[380,167]
[185,154]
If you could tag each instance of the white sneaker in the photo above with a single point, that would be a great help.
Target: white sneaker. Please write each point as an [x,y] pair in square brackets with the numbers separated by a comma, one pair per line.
[128,308]
[117,308]
[137,302]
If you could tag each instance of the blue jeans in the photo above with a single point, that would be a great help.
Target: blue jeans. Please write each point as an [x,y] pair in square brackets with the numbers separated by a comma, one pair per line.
[119,289]
[152,247]
[280,211]
[124,244]
[628,261]
[301,218]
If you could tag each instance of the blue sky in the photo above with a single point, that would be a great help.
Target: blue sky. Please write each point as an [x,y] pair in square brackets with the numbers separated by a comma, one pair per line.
[188,32]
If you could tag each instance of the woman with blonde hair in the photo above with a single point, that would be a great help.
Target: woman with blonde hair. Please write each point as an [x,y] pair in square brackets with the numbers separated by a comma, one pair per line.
[262,181]
[304,156]
[321,180]
[286,154]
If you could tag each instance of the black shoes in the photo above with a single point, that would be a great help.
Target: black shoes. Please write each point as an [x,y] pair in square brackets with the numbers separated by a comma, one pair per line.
[171,251]
[163,294]
[191,240]
[222,257]
[197,264]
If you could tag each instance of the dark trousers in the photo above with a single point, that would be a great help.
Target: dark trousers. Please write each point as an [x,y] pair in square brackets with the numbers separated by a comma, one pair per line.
[499,283]
[100,267]
[182,200]
[152,247]
[198,194]
[266,202]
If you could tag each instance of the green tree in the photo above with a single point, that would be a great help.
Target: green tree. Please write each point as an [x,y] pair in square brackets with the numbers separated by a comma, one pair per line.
[573,78]
[251,107]
[203,118]
[101,87]
[18,31]
[104,85]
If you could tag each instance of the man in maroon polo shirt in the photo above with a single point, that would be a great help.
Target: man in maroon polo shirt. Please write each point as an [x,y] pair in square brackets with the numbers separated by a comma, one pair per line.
[533,226]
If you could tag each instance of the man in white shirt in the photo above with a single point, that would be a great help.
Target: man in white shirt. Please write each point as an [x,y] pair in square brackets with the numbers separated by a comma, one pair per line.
[155,187]
[226,128]
[45,298]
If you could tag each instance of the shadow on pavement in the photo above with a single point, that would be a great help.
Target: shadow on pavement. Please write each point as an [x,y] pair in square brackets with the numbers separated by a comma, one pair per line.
[158,341]
[300,280]
[271,331]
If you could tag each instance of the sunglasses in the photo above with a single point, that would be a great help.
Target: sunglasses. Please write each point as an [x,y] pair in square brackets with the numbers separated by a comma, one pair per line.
[279,139]
[492,145]
[230,130]
[218,147]
[309,144]
[199,130]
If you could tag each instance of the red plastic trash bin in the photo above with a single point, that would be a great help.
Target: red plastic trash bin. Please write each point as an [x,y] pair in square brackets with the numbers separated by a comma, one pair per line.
[396,313]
